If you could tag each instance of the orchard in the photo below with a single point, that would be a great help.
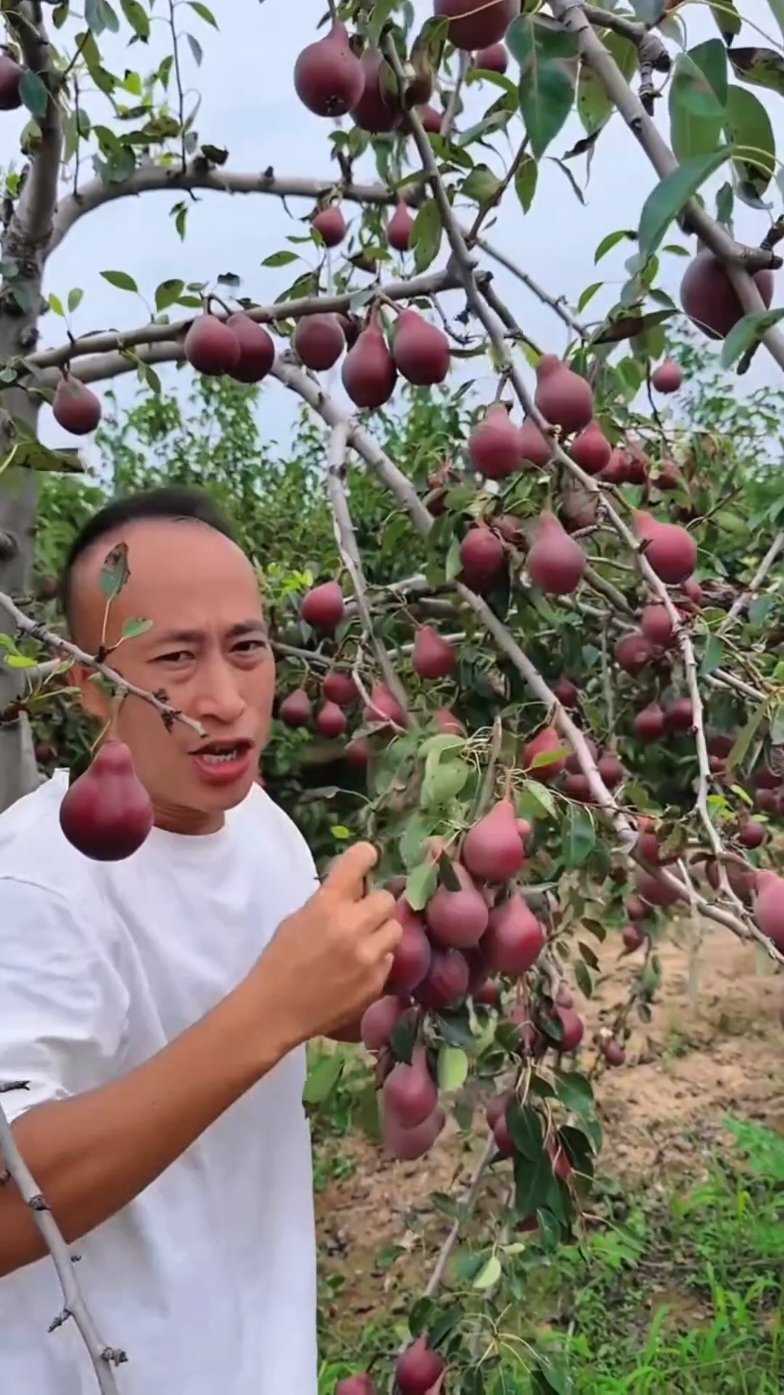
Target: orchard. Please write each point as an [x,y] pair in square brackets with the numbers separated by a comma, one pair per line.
[566,716]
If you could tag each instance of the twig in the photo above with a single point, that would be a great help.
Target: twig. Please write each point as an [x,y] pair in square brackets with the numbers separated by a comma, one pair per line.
[103,1357]
[121,686]
[346,540]
[755,583]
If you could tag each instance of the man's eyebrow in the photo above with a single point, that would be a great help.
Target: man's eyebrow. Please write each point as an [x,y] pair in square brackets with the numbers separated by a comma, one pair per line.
[243,627]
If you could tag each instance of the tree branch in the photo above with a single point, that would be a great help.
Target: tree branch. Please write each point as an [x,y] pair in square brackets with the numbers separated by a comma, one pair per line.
[346,540]
[200,174]
[120,343]
[29,231]
[103,1357]
[755,583]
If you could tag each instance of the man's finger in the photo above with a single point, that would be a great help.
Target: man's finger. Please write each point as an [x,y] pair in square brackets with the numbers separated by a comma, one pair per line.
[387,938]
[347,874]
[377,907]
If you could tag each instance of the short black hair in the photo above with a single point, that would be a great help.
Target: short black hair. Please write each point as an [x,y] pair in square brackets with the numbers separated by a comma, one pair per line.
[173,502]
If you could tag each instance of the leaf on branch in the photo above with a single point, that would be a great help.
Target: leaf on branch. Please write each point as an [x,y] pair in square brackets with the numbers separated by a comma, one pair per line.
[525,182]
[56,305]
[546,89]
[481,184]
[761,66]
[34,93]
[745,737]
[452,1068]
[426,235]
[282,258]
[420,884]
[121,280]
[749,128]
[629,326]
[611,240]
[747,332]
[713,656]
[489,1275]
[578,838]
[75,298]
[697,100]
[672,194]
[594,107]
[137,17]
[34,455]
[132,628]
[168,293]
[195,48]
[322,1077]
[115,571]
[203,12]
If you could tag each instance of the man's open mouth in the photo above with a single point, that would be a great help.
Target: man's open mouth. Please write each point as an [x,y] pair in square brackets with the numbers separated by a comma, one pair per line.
[222,752]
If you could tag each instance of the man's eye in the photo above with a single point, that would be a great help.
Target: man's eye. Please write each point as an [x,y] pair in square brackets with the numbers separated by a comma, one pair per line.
[174,657]
[247,646]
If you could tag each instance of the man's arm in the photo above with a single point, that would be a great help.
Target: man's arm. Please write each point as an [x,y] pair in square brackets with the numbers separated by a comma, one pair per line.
[93,1153]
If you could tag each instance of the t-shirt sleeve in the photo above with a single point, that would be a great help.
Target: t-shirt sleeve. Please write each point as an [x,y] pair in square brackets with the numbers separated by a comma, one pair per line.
[63,1004]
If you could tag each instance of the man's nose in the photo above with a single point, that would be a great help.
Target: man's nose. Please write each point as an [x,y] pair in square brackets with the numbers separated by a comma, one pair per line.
[219,696]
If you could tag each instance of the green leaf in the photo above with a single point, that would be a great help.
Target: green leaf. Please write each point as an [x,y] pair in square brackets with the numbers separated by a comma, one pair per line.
[481,184]
[426,233]
[34,93]
[672,194]
[574,1091]
[132,628]
[746,735]
[525,182]
[382,11]
[454,562]
[588,294]
[713,656]
[525,1129]
[441,743]
[203,12]
[121,280]
[749,128]
[761,66]
[532,1183]
[168,293]
[578,837]
[338,831]
[56,305]
[728,21]
[421,883]
[489,1275]
[19,661]
[115,571]
[546,89]
[533,792]
[443,780]
[697,100]
[452,1067]
[75,297]
[137,17]
[195,48]
[611,240]
[323,1075]
[282,258]
[746,332]
[594,107]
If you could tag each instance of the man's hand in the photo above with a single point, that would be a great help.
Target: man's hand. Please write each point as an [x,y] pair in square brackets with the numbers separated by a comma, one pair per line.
[331,959]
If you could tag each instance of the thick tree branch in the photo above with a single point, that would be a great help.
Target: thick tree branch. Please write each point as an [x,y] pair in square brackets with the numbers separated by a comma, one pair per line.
[123,341]
[200,174]
[30,228]
[103,1357]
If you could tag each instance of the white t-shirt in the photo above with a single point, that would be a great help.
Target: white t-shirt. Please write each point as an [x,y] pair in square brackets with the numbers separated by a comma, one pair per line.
[208,1279]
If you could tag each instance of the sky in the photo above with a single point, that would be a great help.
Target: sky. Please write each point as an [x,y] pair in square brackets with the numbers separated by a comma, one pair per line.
[249,106]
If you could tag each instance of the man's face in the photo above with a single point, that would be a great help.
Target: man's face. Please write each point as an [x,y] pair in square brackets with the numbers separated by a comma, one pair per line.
[207,647]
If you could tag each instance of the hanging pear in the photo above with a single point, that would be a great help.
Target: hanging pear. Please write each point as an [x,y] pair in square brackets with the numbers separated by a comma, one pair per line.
[562,396]
[420,350]
[493,850]
[555,562]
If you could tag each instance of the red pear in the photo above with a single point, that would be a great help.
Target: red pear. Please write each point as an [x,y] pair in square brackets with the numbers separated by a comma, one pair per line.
[591,450]
[616,471]
[106,814]
[562,396]
[751,834]
[446,723]
[633,652]
[457,919]
[318,341]
[656,625]
[493,59]
[769,909]
[475,26]
[379,1021]
[649,724]
[328,77]
[573,1029]
[75,407]
[633,938]
[710,299]
[433,657]
[555,562]
[693,590]
[330,225]
[357,753]
[331,721]
[419,1368]
[369,374]
[654,889]
[446,982]
[667,377]
[613,1052]
[567,693]
[671,551]
[493,850]
[610,770]
[483,558]
[679,716]
[514,938]
[431,119]
[545,743]
[383,706]
[356,1385]
[10,81]
[534,445]
[399,228]
[257,349]
[323,607]
[420,350]
[296,710]
[340,688]
[409,1144]
[410,1093]
[412,955]
[494,444]
[211,347]
[378,109]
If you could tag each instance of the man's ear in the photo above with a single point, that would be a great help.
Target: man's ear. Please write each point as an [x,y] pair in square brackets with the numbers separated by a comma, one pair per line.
[94,700]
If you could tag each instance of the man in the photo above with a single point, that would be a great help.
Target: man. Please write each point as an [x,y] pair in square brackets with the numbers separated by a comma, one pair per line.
[159,1007]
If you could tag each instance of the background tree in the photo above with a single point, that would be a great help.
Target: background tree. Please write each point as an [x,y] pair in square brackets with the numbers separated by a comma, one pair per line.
[609,712]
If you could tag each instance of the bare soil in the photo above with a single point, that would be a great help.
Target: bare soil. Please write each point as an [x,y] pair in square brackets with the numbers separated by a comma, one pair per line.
[696,1063]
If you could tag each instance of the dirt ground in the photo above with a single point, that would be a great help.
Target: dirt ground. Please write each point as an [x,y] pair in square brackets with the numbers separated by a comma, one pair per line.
[662,1112]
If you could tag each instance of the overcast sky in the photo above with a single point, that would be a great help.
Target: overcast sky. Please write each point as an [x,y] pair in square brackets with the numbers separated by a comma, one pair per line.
[248,105]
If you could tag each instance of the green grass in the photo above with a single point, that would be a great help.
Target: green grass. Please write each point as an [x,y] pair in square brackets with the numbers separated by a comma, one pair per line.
[669,1294]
